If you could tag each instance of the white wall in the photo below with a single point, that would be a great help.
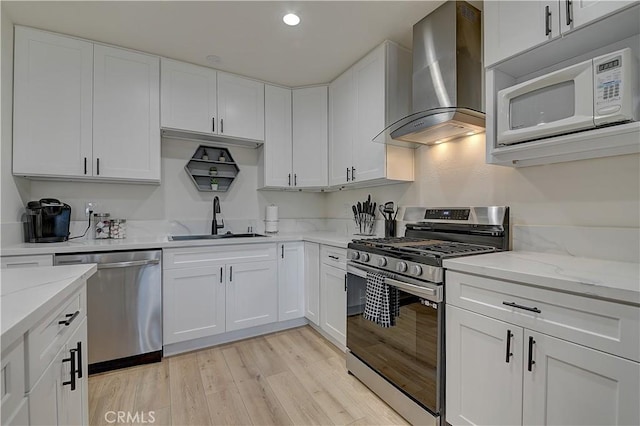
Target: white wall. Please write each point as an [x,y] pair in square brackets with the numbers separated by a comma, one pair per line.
[177,197]
[14,190]
[598,192]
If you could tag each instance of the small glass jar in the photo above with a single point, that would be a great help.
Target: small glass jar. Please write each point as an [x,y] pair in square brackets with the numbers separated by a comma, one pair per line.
[118,229]
[101,226]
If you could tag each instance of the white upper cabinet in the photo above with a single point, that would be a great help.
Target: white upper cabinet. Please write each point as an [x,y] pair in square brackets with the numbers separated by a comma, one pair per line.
[126,114]
[241,107]
[310,130]
[277,151]
[53,101]
[575,13]
[189,97]
[84,110]
[364,100]
[515,26]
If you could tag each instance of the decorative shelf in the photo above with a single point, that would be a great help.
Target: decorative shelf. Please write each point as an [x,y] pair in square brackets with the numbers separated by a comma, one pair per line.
[198,168]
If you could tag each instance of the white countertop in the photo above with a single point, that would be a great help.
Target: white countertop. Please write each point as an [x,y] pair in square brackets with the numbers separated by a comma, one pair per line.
[81,245]
[28,294]
[606,279]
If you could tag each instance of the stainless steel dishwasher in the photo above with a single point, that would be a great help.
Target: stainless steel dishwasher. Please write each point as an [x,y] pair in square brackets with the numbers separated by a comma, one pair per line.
[124,307]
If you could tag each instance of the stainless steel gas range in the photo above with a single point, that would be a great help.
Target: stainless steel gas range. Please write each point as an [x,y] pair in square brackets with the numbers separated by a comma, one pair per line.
[402,358]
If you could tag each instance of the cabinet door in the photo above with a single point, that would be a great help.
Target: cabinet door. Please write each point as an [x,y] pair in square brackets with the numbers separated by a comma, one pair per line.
[241,107]
[581,12]
[482,387]
[341,128]
[511,27]
[126,120]
[45,399]
[252,294]
[312,282]
[277,148]
[74,407]
[188,97]
[571,384]
[369,158]
[290,281]
[310,132]
[333,303]
[53,101]
[193,303]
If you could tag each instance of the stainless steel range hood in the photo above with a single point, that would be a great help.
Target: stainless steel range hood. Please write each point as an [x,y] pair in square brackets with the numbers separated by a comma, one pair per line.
[447,79]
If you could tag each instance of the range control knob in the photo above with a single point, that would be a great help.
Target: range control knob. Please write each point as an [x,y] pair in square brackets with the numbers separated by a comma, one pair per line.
[364,257]
[382,261]
[354,255]
[401,267]
[416,270]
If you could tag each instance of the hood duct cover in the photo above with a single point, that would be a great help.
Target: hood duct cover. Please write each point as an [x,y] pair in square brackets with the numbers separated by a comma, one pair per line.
[447,79]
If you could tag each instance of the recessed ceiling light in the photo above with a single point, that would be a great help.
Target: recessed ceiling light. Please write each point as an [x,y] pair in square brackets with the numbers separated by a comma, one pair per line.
[291,19]
[214,59]
[471,133]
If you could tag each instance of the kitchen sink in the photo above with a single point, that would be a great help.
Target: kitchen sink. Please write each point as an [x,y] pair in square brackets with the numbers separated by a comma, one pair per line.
[228,235]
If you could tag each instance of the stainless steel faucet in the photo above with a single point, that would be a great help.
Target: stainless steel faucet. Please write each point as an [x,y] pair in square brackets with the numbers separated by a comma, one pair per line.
[214,222]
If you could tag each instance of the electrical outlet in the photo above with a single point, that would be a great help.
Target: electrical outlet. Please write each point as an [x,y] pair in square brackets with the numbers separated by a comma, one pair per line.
[89,206]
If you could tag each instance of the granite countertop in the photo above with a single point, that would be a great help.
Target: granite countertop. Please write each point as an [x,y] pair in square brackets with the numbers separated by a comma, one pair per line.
[158,242]
[606,279]
[28,294]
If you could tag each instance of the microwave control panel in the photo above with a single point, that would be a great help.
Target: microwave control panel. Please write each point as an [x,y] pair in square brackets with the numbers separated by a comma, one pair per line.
[613,87]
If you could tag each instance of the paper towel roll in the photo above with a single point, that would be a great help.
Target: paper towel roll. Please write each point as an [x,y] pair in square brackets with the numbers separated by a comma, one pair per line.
[272,213]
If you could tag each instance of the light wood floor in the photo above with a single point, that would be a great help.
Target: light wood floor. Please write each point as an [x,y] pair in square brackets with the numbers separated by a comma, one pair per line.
[294,377]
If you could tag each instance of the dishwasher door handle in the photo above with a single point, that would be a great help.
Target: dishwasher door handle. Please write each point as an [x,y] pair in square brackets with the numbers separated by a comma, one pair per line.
[128,264]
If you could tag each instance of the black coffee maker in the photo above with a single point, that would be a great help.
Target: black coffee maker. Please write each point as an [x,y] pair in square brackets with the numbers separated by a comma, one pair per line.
[47,221]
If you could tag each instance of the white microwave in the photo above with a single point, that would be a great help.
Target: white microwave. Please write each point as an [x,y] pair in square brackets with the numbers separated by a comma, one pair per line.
[598,92]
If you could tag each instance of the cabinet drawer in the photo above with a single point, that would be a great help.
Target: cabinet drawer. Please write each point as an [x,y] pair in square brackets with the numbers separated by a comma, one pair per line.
[194,257]
[334,256]
[12,380]
[26,261]
[49,335]
[600,324]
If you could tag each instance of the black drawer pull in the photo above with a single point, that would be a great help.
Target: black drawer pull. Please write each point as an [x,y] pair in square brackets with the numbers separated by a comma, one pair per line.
[70,318]
[531,361]
[72,370]
[509,353]
[334,257]
[526,308]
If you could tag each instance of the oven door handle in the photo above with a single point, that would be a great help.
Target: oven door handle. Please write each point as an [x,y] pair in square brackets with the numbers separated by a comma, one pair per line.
[432,293]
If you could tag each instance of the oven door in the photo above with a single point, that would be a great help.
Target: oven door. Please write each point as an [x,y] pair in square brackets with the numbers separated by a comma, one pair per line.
[408,355]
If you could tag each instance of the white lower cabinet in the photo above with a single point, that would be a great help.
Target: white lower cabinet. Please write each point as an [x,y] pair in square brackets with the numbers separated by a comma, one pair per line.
[507,372]
[61,394]
[291,273]
[333,302]
[312,282]
[252,294]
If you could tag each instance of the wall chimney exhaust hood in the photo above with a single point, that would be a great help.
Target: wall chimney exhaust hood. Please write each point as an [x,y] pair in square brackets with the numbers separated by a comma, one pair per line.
[447,79]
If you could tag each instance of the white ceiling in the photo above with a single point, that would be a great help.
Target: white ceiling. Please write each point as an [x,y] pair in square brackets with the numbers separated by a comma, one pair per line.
[248,36]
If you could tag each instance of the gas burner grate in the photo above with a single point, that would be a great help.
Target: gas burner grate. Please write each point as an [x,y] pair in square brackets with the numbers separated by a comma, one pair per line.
[423,247]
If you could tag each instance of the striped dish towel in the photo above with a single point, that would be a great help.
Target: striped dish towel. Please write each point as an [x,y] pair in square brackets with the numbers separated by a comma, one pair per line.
[381,301]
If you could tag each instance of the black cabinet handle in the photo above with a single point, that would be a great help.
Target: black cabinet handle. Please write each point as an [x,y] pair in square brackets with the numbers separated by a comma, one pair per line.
[334,257]
[222,125]
[221,275]
[568,4]
[98,166]
[230,273]
[348,174]
[213,124]
[289,179]
[282,251]
[526,308]
[295,179]
[345,282]
[509,353]
[353,173]
[79,353]
[70,318]
[72,371]
[85,165]
[531,361]
[547,20]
